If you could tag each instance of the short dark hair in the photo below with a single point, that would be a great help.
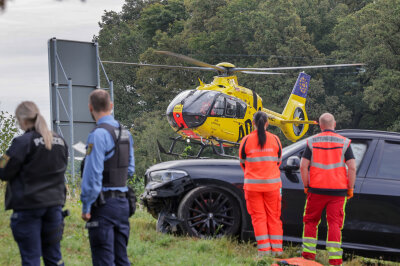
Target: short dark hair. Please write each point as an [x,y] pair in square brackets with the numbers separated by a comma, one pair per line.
[100,100]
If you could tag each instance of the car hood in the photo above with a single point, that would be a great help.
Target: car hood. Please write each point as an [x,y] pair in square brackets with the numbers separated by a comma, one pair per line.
[182,164]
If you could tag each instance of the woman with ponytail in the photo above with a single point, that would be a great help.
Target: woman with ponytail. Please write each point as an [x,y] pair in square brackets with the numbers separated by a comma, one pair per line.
[260,156]
[34,167]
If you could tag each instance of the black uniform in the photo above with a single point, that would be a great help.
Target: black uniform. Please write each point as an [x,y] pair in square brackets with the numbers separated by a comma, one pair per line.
[36,193]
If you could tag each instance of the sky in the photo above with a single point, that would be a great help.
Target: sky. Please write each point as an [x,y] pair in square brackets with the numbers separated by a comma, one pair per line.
[25,28]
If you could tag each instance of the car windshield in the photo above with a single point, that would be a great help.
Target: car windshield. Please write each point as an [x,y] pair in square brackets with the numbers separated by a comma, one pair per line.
[293,147]
[199,102]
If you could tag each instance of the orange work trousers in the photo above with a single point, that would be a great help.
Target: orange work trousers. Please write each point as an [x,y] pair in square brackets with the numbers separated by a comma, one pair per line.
[265,211]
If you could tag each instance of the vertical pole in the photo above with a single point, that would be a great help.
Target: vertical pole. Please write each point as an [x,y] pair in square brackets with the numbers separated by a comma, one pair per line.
[58,130]
[112,94]
[71,130]
[49,43]
[97,65]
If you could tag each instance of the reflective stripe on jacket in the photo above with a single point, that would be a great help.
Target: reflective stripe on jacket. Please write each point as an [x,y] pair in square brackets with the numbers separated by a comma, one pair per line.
[328,168]
[261,165]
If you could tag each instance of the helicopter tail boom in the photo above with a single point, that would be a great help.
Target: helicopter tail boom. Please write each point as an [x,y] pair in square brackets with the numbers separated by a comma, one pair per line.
[293,121]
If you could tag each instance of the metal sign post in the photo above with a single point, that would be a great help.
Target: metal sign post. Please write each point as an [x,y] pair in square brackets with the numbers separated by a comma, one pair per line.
[74,72]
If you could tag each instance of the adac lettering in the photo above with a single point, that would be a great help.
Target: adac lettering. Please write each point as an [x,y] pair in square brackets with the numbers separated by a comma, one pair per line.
[245,129]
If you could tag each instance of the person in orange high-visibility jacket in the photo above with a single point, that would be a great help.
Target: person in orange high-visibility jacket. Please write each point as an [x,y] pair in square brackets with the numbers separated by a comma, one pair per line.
[260,156]
[326,183]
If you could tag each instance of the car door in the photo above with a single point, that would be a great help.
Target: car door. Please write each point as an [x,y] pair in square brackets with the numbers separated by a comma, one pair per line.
[379,199]
[363,150]
[294,198]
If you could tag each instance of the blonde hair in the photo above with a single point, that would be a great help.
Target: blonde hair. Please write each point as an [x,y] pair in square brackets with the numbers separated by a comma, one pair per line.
[29,112]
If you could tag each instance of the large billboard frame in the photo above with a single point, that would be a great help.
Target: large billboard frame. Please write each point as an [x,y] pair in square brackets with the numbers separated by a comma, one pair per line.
[74,71]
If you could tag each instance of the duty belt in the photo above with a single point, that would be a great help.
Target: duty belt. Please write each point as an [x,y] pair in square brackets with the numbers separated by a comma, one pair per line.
[114,194]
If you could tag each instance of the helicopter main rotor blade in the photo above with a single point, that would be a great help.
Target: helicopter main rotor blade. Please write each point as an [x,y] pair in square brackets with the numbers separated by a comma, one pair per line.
[261,73]
[239,69]
[310,122]
[191,60]
[159,66]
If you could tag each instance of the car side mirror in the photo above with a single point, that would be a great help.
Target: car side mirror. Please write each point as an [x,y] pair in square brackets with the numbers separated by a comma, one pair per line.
[292,163]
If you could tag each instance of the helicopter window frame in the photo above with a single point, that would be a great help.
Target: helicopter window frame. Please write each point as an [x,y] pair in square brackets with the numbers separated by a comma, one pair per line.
[241,108]
[233,103]
[216,99]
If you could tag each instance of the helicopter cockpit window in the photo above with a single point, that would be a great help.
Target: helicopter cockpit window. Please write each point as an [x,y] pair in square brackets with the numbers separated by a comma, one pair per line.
[177,100]
[230,108]
[199,102]
[219,106]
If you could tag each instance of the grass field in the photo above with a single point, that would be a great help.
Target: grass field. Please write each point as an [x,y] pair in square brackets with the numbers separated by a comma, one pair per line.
[147,247]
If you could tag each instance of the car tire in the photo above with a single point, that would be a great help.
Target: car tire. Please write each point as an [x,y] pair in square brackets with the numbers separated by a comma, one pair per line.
[209,212]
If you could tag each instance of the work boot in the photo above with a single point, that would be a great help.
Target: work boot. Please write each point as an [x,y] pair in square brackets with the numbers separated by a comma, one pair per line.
[277,253]
[263,253]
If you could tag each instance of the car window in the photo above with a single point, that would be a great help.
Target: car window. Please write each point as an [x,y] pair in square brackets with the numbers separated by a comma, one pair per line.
[359,149]
[289,150]
[390,166]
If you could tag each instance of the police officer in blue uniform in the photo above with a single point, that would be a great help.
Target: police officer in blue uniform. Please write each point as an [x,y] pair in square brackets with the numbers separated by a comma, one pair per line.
[108,162]
[34,167]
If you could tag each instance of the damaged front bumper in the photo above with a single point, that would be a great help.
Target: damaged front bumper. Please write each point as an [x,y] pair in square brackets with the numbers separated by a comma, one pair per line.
[162,201]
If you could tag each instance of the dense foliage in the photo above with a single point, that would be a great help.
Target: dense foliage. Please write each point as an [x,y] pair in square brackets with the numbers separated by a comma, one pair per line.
[8,130]
[255,33]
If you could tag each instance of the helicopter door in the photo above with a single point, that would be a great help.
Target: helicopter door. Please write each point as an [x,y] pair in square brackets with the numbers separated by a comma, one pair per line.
[225,112]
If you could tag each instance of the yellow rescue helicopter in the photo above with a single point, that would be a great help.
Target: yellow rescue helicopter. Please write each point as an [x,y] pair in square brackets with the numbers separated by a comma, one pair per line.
[219,114]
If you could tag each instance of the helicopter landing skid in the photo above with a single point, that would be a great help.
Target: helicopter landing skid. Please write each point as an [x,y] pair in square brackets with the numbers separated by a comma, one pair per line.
[217,149]
[221,151]
[180,139]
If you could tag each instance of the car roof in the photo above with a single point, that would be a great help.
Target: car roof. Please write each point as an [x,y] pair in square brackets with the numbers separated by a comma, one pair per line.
[350,133]
[369,133]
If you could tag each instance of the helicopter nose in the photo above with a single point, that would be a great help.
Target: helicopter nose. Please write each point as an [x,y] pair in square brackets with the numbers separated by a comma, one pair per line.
[177,117]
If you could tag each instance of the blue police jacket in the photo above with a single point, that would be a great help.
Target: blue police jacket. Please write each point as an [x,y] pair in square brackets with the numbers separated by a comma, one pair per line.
[99,142]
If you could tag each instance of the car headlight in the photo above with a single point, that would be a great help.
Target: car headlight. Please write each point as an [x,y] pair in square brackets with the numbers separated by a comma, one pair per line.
[163,176]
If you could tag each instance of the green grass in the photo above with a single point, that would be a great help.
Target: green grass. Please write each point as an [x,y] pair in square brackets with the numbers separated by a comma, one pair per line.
[147,247]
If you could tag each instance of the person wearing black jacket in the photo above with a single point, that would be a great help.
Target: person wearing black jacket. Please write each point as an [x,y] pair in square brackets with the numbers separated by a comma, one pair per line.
[34,167]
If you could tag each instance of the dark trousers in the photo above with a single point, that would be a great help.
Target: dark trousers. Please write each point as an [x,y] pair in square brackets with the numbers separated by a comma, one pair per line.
[109,232]
[38,232]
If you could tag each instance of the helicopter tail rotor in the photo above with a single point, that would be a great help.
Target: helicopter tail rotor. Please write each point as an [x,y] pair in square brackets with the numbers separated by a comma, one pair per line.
[293,121]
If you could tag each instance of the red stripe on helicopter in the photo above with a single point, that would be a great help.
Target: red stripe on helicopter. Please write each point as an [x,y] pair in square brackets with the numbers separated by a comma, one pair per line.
[190,134]
[178,117]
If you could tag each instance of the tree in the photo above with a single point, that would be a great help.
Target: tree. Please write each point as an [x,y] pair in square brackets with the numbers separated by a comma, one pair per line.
[372,36]
[8,130]
[254,33]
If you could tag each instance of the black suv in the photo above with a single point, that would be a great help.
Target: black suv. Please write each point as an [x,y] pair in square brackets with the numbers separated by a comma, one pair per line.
[205,197]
